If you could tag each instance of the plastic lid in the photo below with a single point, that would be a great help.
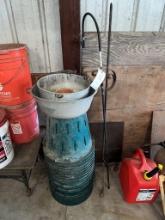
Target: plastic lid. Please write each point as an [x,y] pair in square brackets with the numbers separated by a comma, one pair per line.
[2,117]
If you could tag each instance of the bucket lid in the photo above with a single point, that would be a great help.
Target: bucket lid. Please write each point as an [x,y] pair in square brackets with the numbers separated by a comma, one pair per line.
[2,117]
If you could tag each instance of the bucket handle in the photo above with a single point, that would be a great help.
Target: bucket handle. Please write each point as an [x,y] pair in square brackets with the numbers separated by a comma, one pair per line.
[140,155]
[15,75]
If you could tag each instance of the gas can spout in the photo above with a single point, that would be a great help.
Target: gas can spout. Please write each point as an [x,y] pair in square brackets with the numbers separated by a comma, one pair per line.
[148,175]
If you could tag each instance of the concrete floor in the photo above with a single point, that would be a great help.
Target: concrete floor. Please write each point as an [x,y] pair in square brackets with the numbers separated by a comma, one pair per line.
[15,205]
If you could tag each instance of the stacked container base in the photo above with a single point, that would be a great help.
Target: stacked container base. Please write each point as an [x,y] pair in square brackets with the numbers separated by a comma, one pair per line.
[70,159]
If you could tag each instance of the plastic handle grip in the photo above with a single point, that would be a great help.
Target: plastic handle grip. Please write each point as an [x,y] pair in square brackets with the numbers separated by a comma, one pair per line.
[154,171]
[140,155]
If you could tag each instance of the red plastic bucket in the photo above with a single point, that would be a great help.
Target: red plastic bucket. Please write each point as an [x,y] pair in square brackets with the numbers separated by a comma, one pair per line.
[23,122]
[15,78]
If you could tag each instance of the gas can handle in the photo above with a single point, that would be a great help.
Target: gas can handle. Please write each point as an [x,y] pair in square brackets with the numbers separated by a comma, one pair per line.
[149,174]
[140,155]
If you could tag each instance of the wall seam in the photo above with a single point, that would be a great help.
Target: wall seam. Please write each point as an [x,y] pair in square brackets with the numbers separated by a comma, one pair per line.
[134,15]
[162,23]
[46,35]
[12,23]
[40,10]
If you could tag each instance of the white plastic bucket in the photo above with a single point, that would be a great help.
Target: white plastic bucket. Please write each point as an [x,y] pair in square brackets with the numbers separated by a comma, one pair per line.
[6,148]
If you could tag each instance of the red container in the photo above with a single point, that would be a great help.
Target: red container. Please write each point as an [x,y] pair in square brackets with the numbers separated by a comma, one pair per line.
[23,122]
[15,78]
[134,186]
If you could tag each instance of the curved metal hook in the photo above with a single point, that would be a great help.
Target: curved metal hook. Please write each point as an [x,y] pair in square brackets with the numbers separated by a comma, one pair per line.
[98,34]
[114,77]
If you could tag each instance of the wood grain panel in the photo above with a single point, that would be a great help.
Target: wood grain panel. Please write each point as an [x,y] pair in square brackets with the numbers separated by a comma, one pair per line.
[138,92]
[158,135]
[126,49]
[136,88]
[137,126]
[158,127]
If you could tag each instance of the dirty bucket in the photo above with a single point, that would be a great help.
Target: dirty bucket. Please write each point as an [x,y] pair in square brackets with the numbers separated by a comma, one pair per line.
[6,148]
[23,121]
[15,78]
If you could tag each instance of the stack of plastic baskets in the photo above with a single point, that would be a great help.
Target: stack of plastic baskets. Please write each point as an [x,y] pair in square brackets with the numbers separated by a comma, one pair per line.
[70,159]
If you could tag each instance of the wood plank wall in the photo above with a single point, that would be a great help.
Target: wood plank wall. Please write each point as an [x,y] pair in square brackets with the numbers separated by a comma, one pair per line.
[37,24]
[138,59]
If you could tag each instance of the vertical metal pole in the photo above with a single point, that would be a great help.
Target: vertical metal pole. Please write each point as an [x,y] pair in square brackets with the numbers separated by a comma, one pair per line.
[105,95]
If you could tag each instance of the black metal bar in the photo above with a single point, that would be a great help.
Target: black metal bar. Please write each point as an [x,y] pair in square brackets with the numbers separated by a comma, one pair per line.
[97,29]
[162,144]
[105,96]
[26,178]
[15,177]
[108,177]
[23,177]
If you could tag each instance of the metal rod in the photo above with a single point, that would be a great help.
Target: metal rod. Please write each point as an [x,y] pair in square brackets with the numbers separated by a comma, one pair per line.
[97,29]
[105,97]
[98,35]
[103,87]
[108,177]
[162,143]
[108,51]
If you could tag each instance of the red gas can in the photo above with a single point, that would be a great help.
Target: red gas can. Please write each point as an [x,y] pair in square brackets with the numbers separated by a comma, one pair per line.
[136,189]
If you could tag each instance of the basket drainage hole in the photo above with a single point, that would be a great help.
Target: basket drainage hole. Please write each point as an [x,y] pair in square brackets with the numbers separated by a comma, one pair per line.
[85,141]
[67,128]
[56,128]
[62,148]
[78,126]
[75,146]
